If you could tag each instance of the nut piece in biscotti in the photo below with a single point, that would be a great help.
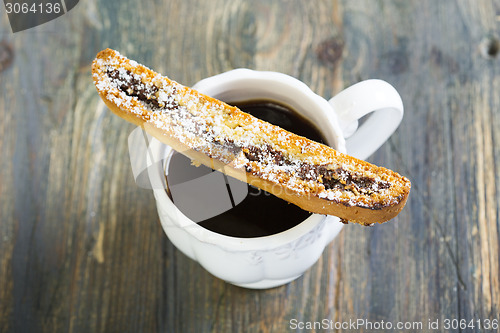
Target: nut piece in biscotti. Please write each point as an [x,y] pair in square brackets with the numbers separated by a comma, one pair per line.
[313,176]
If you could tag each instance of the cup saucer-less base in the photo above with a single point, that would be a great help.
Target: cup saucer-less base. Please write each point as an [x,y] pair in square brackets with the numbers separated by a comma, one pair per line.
[267,283]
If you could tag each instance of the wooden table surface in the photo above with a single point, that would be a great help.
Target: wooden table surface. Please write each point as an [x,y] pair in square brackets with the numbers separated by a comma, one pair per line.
[81,246]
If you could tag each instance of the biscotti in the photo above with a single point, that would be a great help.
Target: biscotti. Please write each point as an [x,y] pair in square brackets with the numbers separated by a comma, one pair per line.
[311,175]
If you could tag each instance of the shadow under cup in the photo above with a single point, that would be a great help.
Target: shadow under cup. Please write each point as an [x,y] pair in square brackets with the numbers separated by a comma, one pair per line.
[228,206]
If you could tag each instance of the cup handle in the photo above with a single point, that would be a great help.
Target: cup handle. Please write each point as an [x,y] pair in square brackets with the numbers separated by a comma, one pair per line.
[358,100]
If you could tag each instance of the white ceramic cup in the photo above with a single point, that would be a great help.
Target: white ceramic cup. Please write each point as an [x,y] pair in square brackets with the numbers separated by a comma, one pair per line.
[270,261]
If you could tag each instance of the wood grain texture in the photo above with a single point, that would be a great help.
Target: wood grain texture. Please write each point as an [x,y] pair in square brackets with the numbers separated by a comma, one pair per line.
[81,249]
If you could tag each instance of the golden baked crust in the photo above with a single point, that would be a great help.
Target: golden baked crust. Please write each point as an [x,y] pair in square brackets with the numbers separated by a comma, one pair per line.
[313,176]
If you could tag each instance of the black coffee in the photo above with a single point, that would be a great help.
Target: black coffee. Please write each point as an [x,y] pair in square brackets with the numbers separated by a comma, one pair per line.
[259,213]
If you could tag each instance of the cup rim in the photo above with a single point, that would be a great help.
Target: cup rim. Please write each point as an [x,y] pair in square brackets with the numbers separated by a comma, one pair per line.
[160,151]
[302,93]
